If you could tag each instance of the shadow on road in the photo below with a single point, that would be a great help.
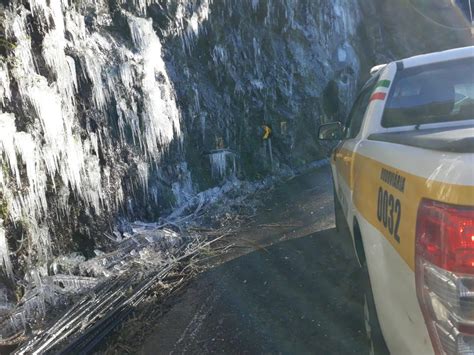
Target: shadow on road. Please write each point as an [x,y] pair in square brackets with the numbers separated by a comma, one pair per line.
[297,296]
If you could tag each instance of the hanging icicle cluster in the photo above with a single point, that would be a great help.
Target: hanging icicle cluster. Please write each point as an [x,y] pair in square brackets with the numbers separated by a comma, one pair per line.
[62,81]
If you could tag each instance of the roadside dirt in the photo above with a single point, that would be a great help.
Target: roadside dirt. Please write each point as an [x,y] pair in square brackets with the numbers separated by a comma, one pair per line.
[286,282]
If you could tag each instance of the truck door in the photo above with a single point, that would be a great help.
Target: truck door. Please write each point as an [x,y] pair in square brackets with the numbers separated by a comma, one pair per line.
[344,153]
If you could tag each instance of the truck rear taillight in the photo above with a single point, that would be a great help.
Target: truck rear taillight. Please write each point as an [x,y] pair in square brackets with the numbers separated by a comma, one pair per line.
[445,274]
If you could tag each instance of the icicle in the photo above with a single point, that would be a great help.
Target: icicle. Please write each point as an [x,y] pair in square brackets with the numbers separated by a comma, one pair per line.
[143,168]
[197,104]
[5,93]
[53,46]
[189,19]
[160,113]
[219,55]
[255,4]
[198,17]
[219,163]
[127,76]
[73,284]
[202,116]
[347,20]
[4,252]
[7,146]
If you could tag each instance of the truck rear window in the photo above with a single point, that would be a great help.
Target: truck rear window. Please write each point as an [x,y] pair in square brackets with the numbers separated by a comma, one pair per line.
[432,93]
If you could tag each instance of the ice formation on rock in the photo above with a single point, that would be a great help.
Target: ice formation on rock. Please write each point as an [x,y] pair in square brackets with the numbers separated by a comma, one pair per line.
[53,149]
[220,163]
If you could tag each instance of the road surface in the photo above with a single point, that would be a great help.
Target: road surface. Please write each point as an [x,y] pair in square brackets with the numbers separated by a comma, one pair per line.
[298,291]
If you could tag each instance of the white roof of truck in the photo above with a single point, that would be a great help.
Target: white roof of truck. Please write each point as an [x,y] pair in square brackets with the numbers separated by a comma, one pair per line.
[451,54]
[435,57]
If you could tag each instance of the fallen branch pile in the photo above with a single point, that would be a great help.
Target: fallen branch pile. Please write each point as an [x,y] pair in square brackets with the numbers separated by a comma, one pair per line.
[102,309]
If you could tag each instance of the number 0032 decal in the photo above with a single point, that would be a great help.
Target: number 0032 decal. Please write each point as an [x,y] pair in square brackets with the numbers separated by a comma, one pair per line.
[389,212]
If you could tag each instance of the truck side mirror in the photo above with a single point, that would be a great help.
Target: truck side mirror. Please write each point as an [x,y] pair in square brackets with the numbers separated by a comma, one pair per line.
[331,131]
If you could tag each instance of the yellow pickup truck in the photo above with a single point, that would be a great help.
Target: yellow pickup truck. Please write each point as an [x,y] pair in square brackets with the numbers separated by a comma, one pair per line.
[403,174]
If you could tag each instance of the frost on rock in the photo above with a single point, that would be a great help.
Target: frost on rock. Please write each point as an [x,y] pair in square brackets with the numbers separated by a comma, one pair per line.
[56,146]
[347,23]
[183,188]
[61,155]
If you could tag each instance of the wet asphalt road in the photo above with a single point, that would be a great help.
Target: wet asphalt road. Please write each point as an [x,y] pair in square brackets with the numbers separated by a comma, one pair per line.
[297,292]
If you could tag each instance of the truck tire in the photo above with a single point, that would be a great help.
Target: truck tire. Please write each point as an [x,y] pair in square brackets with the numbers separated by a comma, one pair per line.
[374,333]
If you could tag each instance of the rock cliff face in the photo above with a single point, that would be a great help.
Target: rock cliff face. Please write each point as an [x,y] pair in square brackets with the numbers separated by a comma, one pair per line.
[126,108]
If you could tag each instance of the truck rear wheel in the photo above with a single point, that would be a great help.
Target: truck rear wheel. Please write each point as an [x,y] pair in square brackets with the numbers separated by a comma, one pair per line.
[374,334]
